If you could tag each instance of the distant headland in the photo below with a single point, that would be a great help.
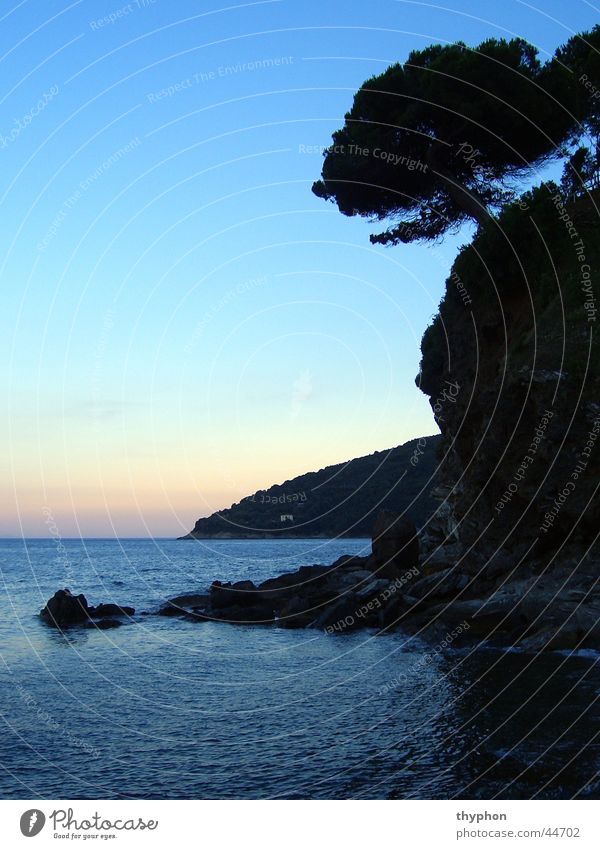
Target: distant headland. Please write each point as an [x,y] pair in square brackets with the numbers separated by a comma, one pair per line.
[337,501]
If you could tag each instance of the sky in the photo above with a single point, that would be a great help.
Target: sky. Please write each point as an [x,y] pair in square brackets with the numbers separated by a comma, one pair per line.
[182,321]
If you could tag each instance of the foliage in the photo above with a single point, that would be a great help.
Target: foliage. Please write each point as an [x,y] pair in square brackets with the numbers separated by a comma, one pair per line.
[526,279]
[445,137]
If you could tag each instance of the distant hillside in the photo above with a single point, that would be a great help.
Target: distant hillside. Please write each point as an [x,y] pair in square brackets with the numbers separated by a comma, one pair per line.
[339,500]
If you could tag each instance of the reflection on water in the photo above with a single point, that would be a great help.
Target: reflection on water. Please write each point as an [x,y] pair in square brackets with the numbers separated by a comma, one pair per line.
[170,709]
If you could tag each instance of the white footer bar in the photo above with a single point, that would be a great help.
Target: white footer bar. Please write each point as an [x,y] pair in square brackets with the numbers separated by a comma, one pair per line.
[301,824]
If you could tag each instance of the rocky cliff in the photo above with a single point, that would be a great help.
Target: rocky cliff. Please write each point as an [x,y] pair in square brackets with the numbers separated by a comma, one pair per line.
[510,365]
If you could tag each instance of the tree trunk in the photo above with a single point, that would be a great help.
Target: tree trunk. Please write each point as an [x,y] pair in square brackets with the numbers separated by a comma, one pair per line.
[463,197]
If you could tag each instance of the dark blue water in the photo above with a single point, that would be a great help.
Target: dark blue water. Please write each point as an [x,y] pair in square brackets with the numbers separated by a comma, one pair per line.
[163,708]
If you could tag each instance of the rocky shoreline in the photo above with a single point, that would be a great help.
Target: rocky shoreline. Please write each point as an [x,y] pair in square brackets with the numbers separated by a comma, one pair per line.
[397,587]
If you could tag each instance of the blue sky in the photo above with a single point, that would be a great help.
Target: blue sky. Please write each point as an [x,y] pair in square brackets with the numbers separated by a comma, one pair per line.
[183,322]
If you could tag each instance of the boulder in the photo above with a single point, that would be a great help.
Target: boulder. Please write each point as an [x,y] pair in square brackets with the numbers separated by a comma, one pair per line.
[172,610]
[341,616]
[373,588]
[107,610]
[312,573]
[103,624]
[552,638]
[444,584]
[240,594]
[296,613]
[566,625]
[351,561]
[278,584]
[197,614]
[255,614]
[182,604]
[392,615]
[64,608]
[280,587]
[441,558]
[342,580]
[190,600]
[395,545]
[311,583]
[497,618]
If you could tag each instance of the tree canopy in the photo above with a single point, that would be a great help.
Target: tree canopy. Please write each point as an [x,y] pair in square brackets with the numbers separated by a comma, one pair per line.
[444,137]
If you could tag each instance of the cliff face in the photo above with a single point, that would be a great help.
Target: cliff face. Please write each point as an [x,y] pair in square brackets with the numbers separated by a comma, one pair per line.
[511,367]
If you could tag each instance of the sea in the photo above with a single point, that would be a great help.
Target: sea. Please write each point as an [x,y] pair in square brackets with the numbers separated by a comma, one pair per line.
[163,708]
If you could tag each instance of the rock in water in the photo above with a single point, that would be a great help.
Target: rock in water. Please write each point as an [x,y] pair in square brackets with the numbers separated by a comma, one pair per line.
[104,624]
[64,608]
[240,594]
[102,611]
